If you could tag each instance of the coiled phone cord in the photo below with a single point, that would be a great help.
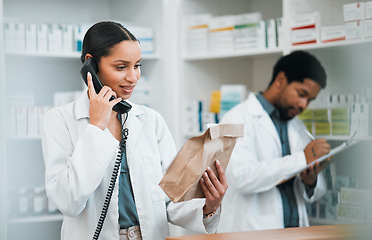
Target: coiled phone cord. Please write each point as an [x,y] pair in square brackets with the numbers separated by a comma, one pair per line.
[110,190]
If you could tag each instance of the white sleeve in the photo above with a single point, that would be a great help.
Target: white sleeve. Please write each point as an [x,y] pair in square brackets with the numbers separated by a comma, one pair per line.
[72,173]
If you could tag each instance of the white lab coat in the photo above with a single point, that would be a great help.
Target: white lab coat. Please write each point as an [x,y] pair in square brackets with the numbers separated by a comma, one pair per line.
[79,160]
[252,201]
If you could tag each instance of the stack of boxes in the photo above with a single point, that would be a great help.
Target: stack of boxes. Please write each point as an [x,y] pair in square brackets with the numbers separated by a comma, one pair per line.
[346,115]
[196,35]
[231,33]
[221,34]
[305,28]
[343,200]
[355,205]
[353,16]
[249,31]
[58,38]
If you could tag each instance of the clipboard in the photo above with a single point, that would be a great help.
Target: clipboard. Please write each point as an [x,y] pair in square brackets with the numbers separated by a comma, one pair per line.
[333,152]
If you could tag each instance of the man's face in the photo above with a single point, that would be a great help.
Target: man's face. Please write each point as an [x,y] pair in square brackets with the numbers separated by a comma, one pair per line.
[295,97]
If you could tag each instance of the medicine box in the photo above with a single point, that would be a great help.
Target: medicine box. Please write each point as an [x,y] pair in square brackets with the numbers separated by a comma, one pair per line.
[354,11]
[368,10]
[332,33]
[354,30]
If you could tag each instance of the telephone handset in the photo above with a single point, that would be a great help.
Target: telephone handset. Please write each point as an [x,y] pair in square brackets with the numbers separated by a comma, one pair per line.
[90,65]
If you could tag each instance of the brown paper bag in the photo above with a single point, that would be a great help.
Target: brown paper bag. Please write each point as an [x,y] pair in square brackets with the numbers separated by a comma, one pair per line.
[181,181]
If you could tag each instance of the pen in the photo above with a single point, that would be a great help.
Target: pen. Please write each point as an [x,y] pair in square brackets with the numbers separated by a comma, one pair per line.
[309,134]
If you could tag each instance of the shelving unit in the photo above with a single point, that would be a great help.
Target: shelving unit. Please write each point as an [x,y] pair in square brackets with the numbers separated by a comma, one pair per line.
[174,75]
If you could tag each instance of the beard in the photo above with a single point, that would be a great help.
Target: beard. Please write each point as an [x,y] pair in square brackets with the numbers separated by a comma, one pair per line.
[284,113]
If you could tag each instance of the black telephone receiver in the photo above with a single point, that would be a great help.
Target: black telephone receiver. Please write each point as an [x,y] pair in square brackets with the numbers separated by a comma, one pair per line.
[90,65]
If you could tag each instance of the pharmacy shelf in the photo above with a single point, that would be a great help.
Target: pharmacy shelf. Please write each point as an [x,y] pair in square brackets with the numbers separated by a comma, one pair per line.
[36,219]
[237,54]
[69,55]
[343,43]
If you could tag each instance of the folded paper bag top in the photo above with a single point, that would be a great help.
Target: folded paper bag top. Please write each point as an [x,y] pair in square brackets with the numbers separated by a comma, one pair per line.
[181,181]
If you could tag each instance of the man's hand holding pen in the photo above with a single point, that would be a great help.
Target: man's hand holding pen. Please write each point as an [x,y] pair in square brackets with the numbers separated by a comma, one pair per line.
[314,150]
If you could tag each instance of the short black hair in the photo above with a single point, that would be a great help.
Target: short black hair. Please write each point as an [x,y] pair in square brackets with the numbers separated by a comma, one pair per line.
[101,37]
[299,65]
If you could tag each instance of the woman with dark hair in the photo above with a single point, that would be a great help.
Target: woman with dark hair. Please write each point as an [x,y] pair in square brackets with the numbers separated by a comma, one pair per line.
[81,141]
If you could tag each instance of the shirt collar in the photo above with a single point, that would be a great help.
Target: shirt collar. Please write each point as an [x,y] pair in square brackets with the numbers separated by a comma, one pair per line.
[270,109]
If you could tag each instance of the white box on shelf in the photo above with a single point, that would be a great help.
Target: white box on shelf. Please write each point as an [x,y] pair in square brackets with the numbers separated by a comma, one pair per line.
[32,121]
[368,10]
[304,20]
[198,20]
[41,112]
[55,38]
[79,33]
[68,38]
[350,213]
[354,11]
[354,30]
[31,37]
[42,38]
[279,31]
[20,37]
[304,36]
[12,121]
[353,196]
[367,28]
[21,119]
[9,35]
[364,119]
[332,33]
[271,33]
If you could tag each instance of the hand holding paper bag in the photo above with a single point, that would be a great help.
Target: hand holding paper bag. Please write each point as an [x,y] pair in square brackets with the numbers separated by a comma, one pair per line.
[181,181]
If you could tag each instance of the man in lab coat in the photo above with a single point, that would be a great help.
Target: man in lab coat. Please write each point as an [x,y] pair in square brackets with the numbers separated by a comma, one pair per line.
[274,146]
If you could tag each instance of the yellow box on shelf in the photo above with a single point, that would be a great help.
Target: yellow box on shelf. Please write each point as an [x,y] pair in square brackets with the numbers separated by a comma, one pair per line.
[340,128]
[309,126]
[322,128]
[340,114]
[320,114]
[307,114]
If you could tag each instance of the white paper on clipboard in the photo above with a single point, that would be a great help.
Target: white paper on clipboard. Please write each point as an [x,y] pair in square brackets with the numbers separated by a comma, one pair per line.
[333,152]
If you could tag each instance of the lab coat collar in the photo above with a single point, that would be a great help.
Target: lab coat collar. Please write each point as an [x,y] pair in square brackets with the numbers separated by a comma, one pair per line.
[265,121]
[82,106]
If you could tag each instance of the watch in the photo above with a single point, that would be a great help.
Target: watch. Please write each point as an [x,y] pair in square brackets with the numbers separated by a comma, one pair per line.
[208,215]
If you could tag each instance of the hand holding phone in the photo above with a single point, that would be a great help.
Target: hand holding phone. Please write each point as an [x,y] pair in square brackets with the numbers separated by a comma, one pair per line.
[100,106]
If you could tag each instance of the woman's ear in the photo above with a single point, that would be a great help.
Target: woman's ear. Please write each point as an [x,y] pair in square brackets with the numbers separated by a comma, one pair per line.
[87,56]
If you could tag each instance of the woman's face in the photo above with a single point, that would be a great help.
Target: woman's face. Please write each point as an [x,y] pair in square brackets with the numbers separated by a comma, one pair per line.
[121,70]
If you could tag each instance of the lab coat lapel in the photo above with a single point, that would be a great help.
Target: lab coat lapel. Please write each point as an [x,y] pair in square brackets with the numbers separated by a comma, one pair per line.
[134,126]
[264,120]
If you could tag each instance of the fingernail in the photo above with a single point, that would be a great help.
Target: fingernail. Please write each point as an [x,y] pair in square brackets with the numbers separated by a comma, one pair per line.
[209,168]
[202,179]
[218,162]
